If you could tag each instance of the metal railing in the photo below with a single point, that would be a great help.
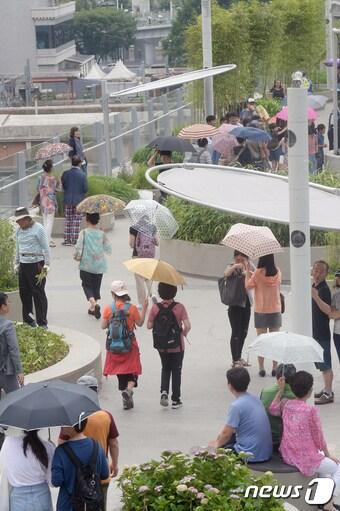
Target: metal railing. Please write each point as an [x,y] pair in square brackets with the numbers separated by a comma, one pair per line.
[129,130]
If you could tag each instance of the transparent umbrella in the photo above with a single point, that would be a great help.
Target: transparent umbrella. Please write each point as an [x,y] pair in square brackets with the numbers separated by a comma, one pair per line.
[146,215]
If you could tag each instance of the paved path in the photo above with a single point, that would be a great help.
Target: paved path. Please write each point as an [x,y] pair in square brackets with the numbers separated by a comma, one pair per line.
[148,429]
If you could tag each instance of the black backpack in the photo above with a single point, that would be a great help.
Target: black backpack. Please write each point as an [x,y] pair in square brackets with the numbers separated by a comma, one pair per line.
[166,330]
[87,493]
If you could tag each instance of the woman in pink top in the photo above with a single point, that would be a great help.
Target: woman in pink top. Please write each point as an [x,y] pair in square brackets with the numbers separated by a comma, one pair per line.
[303,444]
[312,148]
[171,359]
[265,281]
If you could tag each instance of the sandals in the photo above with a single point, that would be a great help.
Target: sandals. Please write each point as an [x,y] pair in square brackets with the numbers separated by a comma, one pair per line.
[240,363]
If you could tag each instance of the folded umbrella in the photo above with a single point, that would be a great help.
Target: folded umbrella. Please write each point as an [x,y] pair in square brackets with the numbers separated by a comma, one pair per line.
[50,150]
[287,347]
[144,214]
[252,240]
[255,134]
[172,144]
[155,269]
[47,404]
[100,204]
[197,131]
[283,114]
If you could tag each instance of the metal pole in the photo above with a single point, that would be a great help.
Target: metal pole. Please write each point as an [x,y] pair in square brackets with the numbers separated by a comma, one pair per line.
[106,122]
[207,56]
[135,133]
[298,172]
[28,83]
[329,39]
[335,89]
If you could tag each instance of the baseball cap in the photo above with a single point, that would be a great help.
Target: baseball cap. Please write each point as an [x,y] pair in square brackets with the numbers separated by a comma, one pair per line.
[88,381]
[119,288]
[251,100]
[337,273]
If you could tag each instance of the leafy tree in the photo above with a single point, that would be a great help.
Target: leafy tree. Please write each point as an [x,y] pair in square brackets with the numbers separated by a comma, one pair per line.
[103,31]
[85,4]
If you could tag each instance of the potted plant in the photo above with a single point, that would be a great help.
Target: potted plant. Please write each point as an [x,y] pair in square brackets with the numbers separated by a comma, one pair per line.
[8,276]
[208,480]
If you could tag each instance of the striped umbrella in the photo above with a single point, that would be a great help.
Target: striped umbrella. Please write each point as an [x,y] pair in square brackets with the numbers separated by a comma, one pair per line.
[50,150]
[198,131]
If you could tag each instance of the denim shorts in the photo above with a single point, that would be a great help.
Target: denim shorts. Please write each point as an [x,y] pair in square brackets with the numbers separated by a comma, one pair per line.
[31,498]
[327,359]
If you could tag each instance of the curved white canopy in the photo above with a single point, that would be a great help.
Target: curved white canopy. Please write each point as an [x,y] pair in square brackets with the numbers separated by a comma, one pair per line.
[120,72]
[246,192]
[96,73]
[176,80]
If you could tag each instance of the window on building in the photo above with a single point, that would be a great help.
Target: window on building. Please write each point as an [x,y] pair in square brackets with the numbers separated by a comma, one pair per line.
[53,36]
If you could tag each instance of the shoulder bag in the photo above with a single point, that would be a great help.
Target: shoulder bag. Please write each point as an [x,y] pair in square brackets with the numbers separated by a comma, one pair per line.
[232,290]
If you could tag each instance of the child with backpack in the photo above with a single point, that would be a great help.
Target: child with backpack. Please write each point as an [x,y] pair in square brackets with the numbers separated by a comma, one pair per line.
[78,466]
[143,240]
[122,351]
[170,325]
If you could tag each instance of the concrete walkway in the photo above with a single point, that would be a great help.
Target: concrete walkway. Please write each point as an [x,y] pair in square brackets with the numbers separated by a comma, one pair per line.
[148,429]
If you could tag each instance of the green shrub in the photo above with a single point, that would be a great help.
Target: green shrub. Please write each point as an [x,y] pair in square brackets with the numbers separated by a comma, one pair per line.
[326,178]
[142,154]
[271,105]
[111,186]
[200,224]
[206,481]
[8,277]
[39,348]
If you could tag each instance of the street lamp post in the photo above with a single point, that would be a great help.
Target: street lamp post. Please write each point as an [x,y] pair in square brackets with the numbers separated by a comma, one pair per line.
[207,56]
[106,123]
[335,33]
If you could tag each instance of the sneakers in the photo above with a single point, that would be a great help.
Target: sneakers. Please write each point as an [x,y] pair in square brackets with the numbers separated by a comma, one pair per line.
[319,394]
[324,399]
[52,244]
[127,399]
[164,399]
[176,404]
[67,243]
[97,311]
[262,373]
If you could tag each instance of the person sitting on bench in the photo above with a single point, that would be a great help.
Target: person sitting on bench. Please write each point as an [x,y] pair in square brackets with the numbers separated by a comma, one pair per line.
[247,425]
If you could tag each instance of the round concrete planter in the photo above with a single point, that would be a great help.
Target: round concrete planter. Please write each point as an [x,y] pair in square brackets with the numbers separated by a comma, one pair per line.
[107,223]
[84,357]
[15,313]
[210,261]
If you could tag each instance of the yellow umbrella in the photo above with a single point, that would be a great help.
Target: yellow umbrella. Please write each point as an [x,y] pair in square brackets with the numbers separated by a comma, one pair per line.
[100,204]
[155,269]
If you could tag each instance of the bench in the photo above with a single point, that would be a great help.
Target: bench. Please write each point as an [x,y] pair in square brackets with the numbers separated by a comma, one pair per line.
[286,475]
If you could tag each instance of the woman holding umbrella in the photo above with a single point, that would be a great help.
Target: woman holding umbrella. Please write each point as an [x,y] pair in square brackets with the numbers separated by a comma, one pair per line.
[266,281]
[48,186]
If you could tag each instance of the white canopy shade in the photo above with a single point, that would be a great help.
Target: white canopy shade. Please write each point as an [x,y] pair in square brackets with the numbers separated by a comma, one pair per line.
[96,73]
[121,73]
[247,192]
[176,80]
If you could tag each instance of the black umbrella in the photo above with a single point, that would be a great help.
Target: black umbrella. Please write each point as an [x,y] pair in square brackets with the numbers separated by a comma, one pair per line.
[47,404]
[172,144]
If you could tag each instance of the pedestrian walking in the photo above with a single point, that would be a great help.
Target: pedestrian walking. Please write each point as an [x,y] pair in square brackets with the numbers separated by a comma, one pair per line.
[11,372]
[320,155]
[248,112]
[32,257]
[170,324]
[265,281]
[239,314]
[78,466]
[335,313]
[122,351]
[26,460]
[321,308]
[204,155]
[277,91]
[312,148]
[75,186]
[48,186]
[303,444]
[77,147]
[91,247]
[143,240]
[100,427]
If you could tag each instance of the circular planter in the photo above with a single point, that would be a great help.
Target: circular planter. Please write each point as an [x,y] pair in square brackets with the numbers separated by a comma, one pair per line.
[15,313]
[210,261]
[107,223]
[84,357]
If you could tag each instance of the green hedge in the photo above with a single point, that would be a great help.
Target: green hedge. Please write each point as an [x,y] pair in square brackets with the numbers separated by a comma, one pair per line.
[39,348]
[8,277]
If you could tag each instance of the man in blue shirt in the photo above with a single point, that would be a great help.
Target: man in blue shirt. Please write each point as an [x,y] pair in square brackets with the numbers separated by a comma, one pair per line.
[247,426]
[32,257]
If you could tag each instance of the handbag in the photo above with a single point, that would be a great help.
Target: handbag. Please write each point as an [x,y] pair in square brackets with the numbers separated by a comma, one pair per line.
[36,200]
[232,290]
[283,304]
[79,257]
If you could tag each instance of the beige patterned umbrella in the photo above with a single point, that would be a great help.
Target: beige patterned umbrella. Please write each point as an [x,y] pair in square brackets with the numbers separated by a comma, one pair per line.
[252,240]
[100,204]
[198,131]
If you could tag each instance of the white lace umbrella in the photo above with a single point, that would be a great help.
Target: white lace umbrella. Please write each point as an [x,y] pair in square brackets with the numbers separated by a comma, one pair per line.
[287,347]
[252,240]
[144,214]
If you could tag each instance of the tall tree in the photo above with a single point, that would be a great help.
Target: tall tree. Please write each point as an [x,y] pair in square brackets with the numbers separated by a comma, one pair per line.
[103,31]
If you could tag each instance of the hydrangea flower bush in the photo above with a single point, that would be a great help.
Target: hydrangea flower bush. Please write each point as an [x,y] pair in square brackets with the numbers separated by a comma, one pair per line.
[207,480]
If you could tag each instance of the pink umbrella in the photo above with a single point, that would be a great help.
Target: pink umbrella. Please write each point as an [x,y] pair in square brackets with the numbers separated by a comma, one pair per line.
[50,150]
[252,240]
[283,114]
[224,142]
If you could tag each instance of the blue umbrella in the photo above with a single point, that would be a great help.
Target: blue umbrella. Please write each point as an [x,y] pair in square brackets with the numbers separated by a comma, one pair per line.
[254,134]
